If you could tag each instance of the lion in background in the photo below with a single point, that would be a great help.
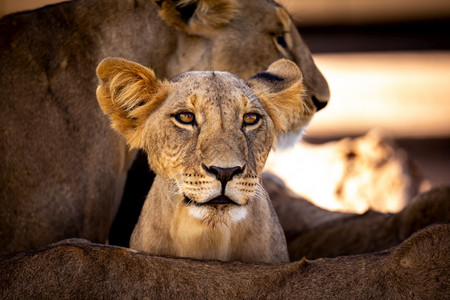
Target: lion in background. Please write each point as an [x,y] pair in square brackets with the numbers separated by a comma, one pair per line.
[351,174]
[63,168]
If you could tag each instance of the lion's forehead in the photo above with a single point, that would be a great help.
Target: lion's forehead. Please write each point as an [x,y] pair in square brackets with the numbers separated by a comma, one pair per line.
[210,82]
[207,90]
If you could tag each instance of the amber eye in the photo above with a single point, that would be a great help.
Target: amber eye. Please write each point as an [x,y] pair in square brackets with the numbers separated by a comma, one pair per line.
[185,118]
[251,118]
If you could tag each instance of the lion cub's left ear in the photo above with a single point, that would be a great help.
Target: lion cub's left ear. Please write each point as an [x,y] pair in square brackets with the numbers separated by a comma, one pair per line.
[128,92]
[281,92]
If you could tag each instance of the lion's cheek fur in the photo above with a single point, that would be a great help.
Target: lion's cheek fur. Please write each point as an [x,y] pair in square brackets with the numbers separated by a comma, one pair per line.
[261,145]
[170,148]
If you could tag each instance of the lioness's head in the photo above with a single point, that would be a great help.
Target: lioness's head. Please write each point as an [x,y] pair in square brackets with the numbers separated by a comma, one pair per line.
[207,132]
[240,36]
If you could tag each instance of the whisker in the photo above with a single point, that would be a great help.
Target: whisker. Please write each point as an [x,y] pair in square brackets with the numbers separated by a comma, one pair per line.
[174,184]
[262,191]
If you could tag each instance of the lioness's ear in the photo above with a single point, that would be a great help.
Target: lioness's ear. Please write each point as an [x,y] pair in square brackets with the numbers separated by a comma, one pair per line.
[128,92]
[282,94]
[197,16]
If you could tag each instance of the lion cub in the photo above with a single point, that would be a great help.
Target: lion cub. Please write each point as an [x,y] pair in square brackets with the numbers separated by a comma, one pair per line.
[207,136]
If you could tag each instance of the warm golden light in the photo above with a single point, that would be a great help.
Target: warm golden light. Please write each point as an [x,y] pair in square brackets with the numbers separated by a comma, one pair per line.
[406,94]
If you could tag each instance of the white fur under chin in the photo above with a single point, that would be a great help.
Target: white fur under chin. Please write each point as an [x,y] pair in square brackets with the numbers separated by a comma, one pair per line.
[234,214]
[238,213]
[198,212]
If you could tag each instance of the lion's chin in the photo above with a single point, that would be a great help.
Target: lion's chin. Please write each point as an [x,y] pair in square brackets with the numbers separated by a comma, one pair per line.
[216,214]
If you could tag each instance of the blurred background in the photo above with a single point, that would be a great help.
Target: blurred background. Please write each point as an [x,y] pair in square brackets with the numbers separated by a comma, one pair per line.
[388,66]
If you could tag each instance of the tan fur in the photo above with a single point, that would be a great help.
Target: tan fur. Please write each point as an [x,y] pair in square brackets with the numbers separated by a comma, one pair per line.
[416,269]
[174,220]
[127,88]
[63,168]
[209,15]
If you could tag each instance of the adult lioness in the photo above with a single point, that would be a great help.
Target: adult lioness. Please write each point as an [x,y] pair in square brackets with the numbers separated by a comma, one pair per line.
[207,136]
[63,168]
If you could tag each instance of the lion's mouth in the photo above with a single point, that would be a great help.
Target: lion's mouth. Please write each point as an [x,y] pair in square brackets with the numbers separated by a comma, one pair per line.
[220,200]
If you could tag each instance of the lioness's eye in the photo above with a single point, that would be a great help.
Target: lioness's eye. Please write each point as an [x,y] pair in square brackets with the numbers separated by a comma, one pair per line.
[282,41]
[251,118]
[185,118]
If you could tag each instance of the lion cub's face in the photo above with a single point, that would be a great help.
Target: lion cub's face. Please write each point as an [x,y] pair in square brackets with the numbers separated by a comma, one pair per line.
[207,134]
[211,137]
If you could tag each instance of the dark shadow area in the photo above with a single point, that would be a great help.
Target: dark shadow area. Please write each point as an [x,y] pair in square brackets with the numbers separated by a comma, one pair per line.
[432,157]
[139,181]
[425,35]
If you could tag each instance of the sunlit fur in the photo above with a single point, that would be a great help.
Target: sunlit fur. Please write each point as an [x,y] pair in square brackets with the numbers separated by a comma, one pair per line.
[176,218]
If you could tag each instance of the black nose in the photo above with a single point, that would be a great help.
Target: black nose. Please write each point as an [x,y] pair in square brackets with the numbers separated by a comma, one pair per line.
[224,174]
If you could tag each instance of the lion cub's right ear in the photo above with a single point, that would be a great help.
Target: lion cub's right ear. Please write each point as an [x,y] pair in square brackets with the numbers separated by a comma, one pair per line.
[128,92]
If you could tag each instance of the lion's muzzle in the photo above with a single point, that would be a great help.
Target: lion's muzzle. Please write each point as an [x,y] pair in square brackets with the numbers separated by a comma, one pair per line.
[224,175]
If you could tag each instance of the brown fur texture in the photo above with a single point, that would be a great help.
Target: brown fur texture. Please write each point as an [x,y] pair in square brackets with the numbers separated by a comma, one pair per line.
[77,269]
[208,15]
[180,217]
[63,168]
[313,232]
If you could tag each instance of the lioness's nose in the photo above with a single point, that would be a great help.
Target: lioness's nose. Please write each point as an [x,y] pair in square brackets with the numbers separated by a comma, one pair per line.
[318,91]
[224,174]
